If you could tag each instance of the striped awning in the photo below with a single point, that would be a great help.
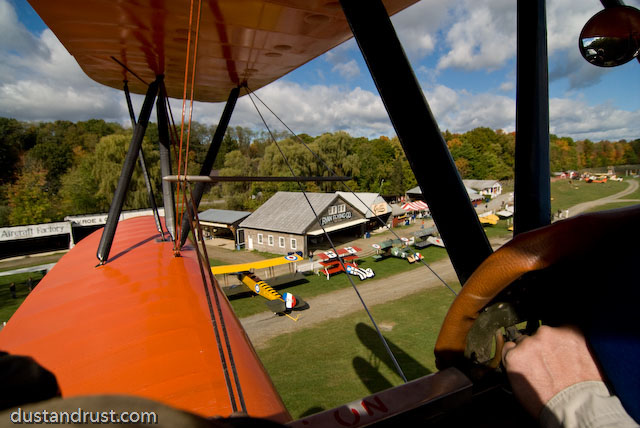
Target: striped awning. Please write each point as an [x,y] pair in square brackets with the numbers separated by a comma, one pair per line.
[415,206]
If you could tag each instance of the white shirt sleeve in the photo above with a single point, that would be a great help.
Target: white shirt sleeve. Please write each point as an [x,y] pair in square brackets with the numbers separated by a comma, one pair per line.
[585,404]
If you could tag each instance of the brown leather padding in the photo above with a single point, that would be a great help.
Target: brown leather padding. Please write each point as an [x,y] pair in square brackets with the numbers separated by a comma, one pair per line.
[527,252]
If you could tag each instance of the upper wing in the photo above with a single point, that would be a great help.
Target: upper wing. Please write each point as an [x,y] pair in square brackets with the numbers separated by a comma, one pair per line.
[253,41]
[262,264]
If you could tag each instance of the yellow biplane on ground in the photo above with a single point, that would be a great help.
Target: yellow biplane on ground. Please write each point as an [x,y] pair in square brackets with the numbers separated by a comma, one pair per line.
[276,302]
[490,219]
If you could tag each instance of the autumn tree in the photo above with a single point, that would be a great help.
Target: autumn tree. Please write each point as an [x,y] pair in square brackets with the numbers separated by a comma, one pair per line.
[29,198]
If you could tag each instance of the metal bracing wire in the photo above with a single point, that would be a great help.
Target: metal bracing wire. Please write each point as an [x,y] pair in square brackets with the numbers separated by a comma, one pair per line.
[228,364]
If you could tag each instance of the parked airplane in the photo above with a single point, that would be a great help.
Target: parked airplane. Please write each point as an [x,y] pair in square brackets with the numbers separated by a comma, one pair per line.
[279,304]
[344,261]
[396,248]
[490,219]
[424,238]
[150,320]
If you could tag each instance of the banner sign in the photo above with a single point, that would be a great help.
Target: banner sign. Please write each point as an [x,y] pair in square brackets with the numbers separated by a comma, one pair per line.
[34,231]
[100,219]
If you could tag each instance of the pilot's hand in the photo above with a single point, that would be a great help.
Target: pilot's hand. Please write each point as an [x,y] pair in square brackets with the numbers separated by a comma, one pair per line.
[542,365]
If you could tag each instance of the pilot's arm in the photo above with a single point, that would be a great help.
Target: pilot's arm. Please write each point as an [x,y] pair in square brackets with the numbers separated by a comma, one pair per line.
[554,375]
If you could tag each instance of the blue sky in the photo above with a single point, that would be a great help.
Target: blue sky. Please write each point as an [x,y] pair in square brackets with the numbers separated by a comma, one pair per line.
[462,51]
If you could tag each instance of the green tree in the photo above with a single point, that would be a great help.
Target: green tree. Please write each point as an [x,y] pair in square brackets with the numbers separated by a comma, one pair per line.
[106,166]
[11,136]
[238,194]
[29,199]
[79,192]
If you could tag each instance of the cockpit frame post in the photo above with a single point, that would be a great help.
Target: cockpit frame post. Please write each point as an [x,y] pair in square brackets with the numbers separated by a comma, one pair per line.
[532,169]
[419,135]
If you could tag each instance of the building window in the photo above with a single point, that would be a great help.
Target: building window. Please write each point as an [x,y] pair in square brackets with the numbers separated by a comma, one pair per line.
[333,210]
[270,238]
[281,242]
[294,244]
[342,208]
[260,240]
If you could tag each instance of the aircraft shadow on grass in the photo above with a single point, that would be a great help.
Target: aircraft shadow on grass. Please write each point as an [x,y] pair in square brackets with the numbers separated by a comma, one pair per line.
[369,370]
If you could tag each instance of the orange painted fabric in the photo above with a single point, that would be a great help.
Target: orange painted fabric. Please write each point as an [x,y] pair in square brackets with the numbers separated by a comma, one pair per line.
[139,325]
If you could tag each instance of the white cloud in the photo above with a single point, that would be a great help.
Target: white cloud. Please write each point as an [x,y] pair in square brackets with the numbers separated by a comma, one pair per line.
[565,19]
[482,37]
[312,110]
[40,80]
[577,119]
[508,85]
[418,25]
[13,35]
[461,111]
[348,70]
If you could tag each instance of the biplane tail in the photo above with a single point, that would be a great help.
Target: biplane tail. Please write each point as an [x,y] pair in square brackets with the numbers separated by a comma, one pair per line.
[288,303]
[277,303]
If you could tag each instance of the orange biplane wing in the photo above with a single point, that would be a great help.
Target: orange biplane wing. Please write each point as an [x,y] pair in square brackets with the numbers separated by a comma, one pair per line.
[239,41]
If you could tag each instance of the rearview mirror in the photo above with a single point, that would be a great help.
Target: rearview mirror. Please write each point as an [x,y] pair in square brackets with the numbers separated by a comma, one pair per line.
[611,37]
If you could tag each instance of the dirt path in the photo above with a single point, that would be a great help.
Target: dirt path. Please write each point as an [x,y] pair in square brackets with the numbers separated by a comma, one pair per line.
[586,206]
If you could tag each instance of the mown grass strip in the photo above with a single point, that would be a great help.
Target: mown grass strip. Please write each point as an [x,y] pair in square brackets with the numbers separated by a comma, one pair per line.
[567,193]
[9,304]
[341,360]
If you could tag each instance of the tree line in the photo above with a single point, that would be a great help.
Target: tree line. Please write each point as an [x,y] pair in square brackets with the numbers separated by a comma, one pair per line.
[50,170]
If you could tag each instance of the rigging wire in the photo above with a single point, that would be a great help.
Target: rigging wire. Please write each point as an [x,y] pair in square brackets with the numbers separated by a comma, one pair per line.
[203,263]
[332,172]
[333,247]
[181,208]
[228,361]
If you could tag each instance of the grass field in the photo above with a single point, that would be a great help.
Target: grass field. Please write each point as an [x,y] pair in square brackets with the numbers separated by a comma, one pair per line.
[8,304]
[499,230]
[613,206]
[341,360]
[567,193]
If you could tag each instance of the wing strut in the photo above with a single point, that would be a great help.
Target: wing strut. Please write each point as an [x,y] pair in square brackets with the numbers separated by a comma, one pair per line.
[212,153]
[125,176]
[143,165]
[419,135]
[164,144]
[532,170]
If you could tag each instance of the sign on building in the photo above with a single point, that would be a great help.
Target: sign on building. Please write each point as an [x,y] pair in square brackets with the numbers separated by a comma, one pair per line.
[34,231]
